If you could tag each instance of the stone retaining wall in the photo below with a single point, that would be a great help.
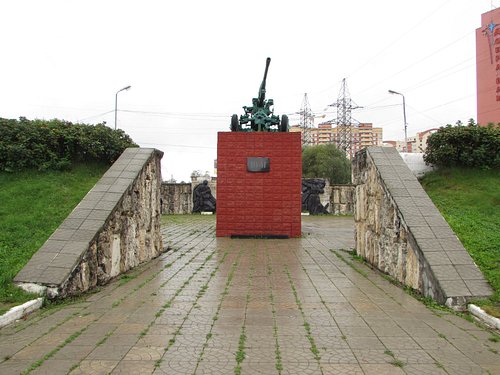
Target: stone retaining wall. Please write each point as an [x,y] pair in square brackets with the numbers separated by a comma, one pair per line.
[401,232]
[178,199]
[113,229]
[341,199]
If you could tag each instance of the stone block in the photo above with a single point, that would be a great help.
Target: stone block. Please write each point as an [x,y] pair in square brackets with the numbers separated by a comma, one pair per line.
[459,257]
[445,272]
[451,244]
[412,271]
[387,171]
[478,288]
[469,271]
[399,192]
[79,213]
[75,247]
[83,235]
[52,246]
[437,258]
[435,221]
[63,260]
[454,288]
[53,276]
[443,231]
[423,232]
[62,234]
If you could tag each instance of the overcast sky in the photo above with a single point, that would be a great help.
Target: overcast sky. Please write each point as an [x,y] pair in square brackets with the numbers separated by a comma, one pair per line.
[192,64]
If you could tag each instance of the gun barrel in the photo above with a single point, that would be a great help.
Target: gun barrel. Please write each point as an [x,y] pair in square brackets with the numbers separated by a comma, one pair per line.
[262,89]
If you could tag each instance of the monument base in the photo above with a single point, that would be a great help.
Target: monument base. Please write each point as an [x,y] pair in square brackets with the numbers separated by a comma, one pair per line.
[259,184]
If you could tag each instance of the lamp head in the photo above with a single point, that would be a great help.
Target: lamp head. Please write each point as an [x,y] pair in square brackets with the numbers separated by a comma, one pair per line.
[123,89]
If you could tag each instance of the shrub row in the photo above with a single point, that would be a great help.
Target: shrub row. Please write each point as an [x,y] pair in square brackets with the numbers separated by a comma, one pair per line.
[464,146]
[56,144]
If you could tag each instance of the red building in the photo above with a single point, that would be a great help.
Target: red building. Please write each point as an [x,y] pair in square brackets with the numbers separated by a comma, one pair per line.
[488,68]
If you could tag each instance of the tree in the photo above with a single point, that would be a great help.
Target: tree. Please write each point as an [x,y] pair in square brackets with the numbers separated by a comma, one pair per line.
[326,161]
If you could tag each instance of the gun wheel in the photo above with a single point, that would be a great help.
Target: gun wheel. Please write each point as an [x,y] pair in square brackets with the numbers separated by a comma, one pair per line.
[234,123]
[284,124]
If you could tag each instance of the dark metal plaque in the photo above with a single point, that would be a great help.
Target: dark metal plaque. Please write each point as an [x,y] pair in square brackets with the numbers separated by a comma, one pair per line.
[255,164]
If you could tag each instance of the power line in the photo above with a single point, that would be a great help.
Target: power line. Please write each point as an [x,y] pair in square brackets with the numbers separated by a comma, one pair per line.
[100,114]
[180,146]
[368,108]
[424,114]
[430,79]
[417,62]
[401,36]
[194,114]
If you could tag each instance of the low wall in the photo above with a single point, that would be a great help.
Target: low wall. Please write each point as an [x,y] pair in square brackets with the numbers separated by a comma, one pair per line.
[177,198]
[113,229]
[341,199]
[401,232]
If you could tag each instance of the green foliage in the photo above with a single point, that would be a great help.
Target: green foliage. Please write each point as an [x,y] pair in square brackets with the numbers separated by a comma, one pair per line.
[465,146]
[56,144]
[469,200]
[326,161]
[33,204]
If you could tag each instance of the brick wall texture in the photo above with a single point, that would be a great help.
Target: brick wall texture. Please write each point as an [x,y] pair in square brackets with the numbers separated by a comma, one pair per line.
[259,203]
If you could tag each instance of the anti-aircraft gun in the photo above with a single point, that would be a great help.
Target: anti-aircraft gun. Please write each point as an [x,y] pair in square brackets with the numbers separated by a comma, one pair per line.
[260,117]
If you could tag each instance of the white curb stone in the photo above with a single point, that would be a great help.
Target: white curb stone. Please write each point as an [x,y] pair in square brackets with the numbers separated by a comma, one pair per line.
[481,314]
[17,312]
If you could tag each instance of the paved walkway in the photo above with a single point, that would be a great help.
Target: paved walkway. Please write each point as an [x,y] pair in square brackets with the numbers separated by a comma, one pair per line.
[243,306]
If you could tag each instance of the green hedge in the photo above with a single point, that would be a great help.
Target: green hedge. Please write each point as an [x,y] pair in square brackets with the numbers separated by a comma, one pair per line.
[57,144]
[464,146]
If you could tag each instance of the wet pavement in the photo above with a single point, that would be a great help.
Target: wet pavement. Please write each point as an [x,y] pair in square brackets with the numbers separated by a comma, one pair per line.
[246,306]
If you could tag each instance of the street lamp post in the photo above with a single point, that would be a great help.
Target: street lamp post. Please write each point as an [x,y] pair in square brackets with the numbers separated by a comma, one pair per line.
[404,115]
[116,101]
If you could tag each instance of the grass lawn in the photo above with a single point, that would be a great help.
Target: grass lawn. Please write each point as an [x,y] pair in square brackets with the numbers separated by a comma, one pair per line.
[469,199]
[32,205]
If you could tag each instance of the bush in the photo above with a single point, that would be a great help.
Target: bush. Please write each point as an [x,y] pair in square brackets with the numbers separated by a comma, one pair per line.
[57,144]
[464,146]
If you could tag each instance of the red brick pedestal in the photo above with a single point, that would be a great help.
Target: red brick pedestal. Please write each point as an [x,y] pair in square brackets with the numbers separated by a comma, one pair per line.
[259,203]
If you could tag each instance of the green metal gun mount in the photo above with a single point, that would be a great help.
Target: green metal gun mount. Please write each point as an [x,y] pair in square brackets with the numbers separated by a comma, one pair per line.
[260,117]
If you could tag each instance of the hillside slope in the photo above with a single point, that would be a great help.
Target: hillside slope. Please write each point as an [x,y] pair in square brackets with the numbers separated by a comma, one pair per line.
[469,199]
[32,205]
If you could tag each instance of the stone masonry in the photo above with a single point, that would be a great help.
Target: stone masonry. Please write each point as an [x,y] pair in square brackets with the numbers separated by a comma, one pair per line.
[178,198]
[341,199]
[113,229]
[401,232]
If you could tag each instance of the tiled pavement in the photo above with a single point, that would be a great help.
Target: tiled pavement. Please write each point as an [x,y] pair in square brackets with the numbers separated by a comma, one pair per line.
[230,306]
